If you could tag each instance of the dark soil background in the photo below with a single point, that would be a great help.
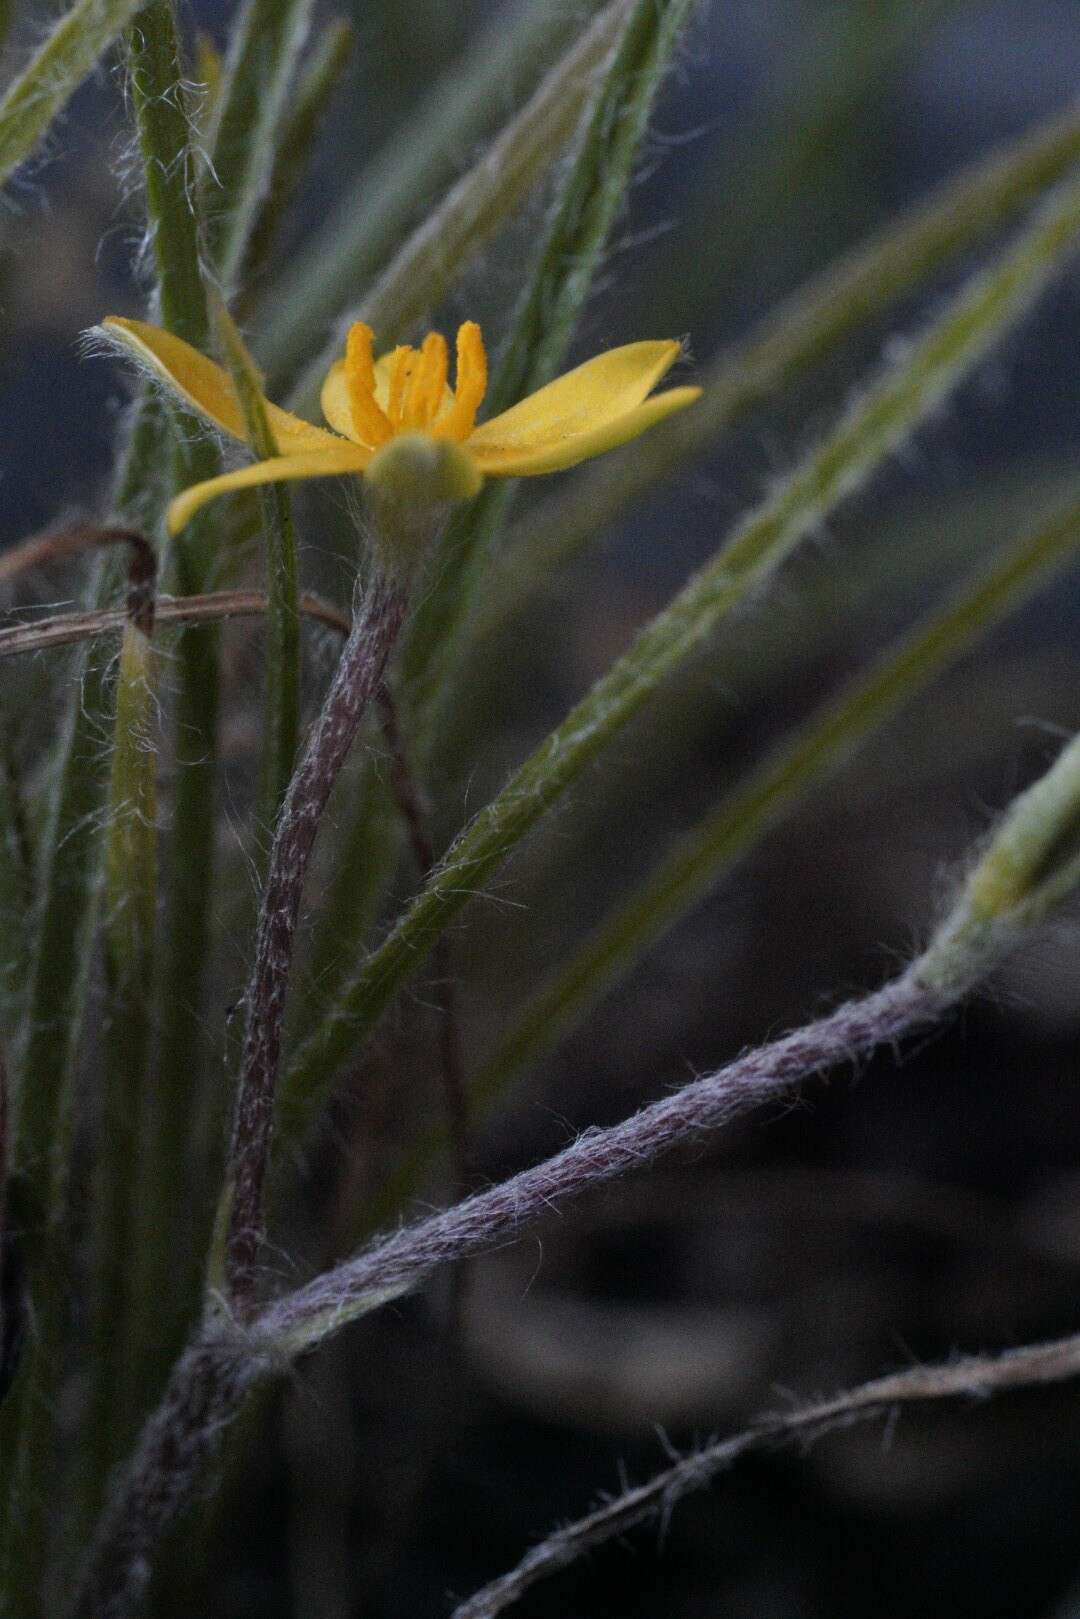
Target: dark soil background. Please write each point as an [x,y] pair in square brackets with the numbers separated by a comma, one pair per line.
[900,1211]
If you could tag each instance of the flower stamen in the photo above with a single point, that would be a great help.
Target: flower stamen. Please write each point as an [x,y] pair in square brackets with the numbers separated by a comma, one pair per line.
[470,384]
[369,421]
[426,383]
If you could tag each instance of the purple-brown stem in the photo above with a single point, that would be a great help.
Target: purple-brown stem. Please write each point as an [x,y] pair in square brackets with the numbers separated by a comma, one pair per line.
[358,676]
[401,1262]
[180,1436]
[205,1392]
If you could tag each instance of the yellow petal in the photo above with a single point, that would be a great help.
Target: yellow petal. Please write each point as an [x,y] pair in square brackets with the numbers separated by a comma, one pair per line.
[207,388]
[525,458]
[321,463]
[600,391]
[335,401]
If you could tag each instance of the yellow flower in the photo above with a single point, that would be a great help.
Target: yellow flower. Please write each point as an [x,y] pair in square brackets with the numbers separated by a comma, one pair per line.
[369,403]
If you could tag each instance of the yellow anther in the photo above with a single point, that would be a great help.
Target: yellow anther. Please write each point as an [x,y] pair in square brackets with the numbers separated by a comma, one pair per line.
[426,383]
[401,365]
[470,384]
[369,422]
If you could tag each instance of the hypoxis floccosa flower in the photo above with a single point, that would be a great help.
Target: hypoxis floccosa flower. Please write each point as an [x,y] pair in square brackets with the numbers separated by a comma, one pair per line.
[371,403]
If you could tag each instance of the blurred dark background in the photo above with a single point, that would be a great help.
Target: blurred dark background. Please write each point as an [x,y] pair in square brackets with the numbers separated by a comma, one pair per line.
[898,1213]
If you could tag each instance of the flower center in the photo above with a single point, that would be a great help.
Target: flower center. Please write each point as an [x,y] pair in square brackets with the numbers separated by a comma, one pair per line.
[415,393]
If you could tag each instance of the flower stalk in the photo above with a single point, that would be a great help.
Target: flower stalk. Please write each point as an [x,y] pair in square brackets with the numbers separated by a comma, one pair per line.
[406,508]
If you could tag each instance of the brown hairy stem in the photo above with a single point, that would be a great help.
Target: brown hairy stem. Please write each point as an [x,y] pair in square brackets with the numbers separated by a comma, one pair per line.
[57,544]
[396,1265]
[356,681]
[972,1378]
[205,1392]
[64,629]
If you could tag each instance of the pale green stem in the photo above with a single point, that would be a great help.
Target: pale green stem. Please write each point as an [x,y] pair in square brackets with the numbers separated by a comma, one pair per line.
[132,1272]
[372,224]
[1033,861]
[1030,866]
[156,76]
[54,73]
[589,201]
[265,45]
[987,306]
[805,330]
[710,850]
[282,721]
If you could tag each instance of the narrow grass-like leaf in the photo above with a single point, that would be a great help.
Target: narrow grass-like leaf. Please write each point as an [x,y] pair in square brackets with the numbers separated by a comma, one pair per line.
[804,331]
[58,67]
[158,94]
[320,77]
[371,225]
[987,306]
[707,853]
[265,45]
[282,714]
[540,332]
